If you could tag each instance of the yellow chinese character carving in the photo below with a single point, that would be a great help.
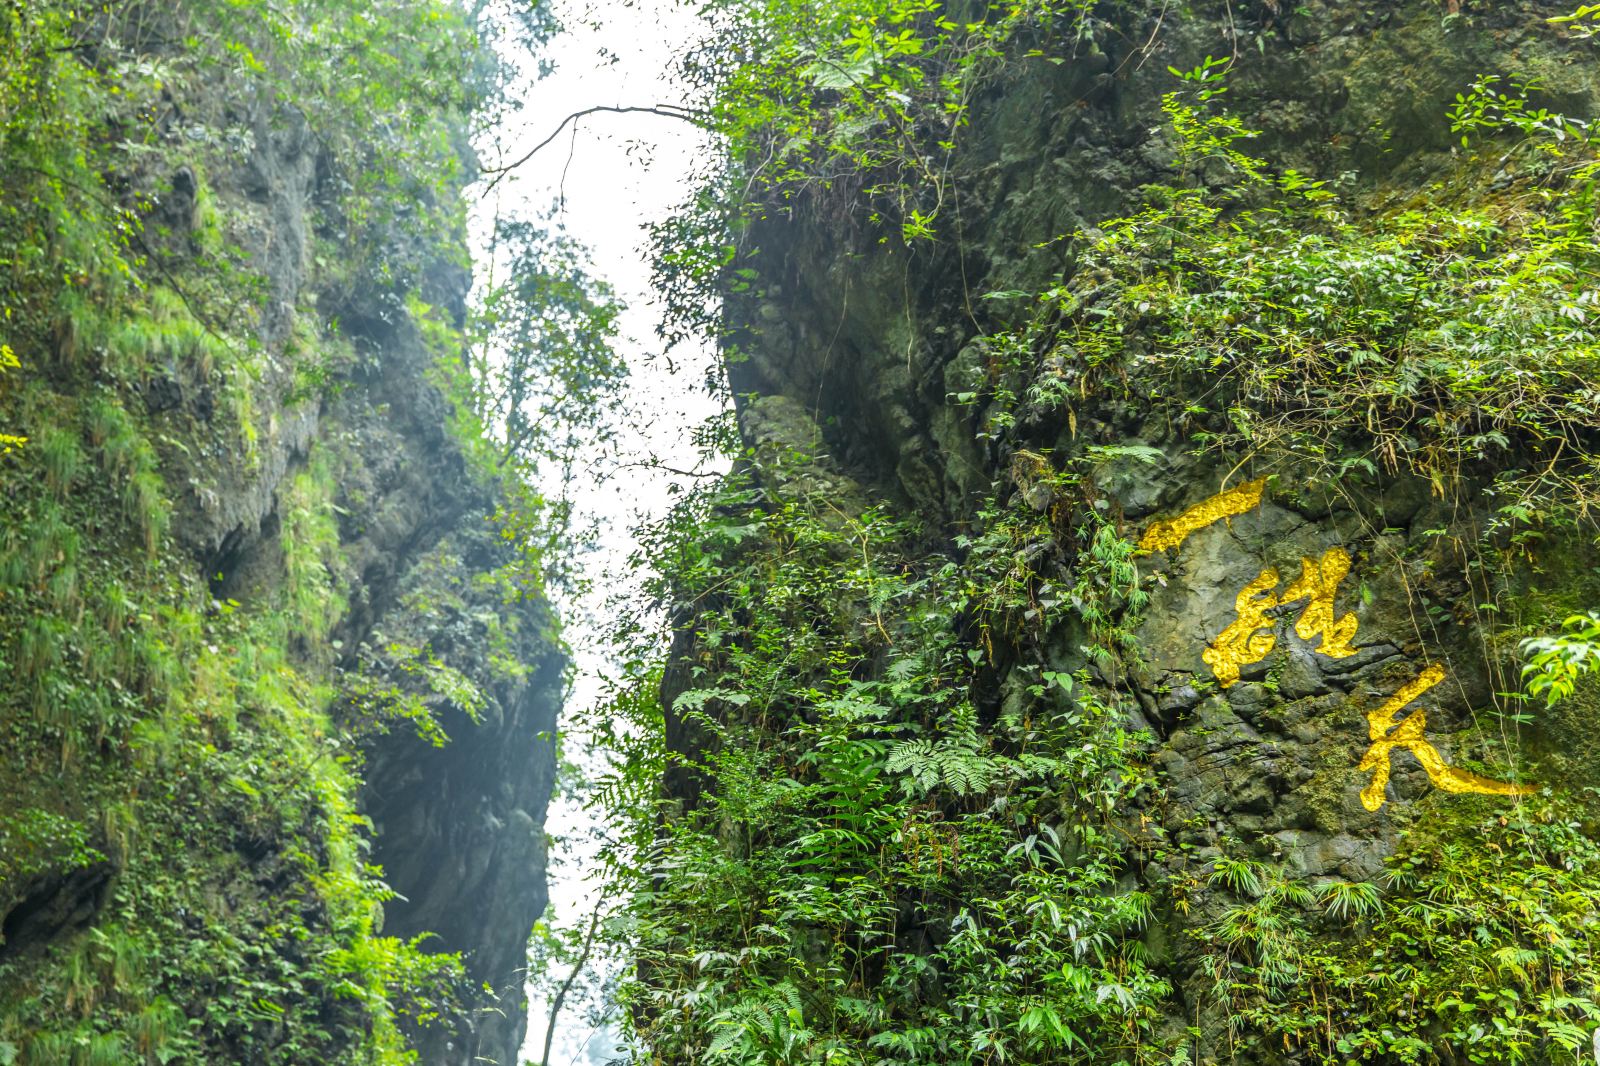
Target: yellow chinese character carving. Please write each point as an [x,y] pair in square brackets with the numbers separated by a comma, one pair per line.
[1320,581]
[1409,735]
[1249,638]
[1170,532]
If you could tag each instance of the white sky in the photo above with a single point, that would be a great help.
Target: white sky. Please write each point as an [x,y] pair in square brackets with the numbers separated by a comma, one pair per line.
[617,174]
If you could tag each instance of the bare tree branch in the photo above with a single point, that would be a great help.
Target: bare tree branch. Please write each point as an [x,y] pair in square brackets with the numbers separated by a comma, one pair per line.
[577,969]
[686,114]
[655,464]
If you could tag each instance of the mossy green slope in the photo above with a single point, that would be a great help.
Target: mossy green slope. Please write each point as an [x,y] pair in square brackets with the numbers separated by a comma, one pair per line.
[191,197]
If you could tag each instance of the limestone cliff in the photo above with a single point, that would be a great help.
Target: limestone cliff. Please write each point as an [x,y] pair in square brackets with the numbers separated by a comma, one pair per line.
[278,707]
[970,461]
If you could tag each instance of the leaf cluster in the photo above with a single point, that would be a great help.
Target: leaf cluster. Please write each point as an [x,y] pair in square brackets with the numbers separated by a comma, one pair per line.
[867,857]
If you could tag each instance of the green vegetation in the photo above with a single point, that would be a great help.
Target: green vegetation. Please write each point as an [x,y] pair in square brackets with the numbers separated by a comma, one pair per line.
[1452,339]
[878,870]
[848,109]
[867,97]
[176,781]
[542,385]
[878,794]
[1555,663]
[1482,938]
[880,802]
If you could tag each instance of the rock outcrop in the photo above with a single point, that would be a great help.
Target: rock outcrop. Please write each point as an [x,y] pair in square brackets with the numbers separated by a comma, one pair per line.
[1278,645]
[277,702]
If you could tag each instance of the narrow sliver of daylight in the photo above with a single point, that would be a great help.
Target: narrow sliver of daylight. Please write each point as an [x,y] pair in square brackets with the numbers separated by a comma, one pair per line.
[605,177]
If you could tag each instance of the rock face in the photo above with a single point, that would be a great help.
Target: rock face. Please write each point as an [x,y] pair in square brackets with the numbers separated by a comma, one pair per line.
[458,828]
[864,345]
[318,658]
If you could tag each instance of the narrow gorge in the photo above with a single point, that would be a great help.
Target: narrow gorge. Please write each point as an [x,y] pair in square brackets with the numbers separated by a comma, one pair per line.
[1140,603]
